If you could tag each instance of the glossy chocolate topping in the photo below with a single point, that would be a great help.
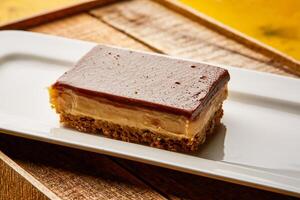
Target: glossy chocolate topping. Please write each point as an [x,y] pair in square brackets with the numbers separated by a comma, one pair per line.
[145,80]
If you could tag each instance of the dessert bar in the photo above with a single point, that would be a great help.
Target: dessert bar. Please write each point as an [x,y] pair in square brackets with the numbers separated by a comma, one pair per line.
[141,97]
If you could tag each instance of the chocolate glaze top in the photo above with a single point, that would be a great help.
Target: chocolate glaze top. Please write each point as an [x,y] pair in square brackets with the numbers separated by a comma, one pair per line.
[146,80]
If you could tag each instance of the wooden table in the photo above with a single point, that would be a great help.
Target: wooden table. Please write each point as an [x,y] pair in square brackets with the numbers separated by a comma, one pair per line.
[36,170]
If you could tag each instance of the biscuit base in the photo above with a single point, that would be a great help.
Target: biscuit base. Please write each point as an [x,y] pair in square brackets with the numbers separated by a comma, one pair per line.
[141,136]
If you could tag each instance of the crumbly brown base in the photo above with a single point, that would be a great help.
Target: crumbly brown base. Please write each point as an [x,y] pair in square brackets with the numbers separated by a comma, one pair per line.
[130,134]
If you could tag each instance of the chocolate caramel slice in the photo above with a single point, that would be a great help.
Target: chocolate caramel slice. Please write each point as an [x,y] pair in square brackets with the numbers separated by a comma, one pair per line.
[140,97]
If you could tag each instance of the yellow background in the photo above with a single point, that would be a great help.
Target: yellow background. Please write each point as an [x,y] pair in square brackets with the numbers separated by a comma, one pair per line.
[274,22]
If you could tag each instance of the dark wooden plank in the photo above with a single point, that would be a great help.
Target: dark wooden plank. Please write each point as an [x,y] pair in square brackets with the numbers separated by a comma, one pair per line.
[75,174]
[16,183]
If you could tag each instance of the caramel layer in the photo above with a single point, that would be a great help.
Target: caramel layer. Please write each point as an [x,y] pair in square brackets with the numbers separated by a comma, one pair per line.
[178,126]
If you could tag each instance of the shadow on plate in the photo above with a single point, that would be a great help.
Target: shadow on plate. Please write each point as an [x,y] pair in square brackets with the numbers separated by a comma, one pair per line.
[213,148]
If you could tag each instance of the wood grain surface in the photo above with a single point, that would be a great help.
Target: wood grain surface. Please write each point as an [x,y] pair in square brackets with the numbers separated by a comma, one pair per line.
[76,174]
[171,33]
[16,183]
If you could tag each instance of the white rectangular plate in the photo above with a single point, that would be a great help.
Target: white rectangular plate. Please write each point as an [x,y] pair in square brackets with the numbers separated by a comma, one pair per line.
[259,147]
